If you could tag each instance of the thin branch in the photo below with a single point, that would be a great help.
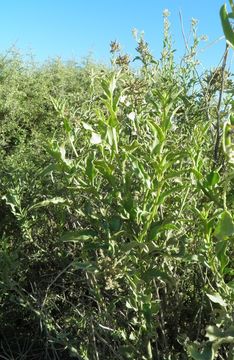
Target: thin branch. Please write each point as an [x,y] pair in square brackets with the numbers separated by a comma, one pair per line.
[218,135]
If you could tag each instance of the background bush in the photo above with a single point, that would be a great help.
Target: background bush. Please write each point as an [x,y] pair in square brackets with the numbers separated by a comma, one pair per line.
[116,212]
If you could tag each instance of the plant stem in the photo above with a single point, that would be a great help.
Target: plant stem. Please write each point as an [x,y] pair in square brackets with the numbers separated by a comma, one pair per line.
[218,135]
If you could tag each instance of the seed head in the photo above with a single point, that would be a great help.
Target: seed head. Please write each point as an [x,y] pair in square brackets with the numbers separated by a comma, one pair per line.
[114,47]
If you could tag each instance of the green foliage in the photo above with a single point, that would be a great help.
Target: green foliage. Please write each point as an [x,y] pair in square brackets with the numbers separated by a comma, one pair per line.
[116,221]
[226,23]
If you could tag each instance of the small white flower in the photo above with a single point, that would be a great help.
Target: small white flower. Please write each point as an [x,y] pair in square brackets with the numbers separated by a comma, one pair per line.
[95,138]
[122,98]
[166,12]
[132,115]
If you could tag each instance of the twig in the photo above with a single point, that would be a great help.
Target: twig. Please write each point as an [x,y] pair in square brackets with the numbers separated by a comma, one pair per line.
[207,107]
[218,135]
[94,341]
[52,283]
[117,356]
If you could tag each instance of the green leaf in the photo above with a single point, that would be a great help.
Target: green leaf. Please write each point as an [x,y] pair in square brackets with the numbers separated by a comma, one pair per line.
[227,27]
[214,333]
[151,274]
[212,179]
[157,130]
[54,201]
[225,226]
[89,267]
[47,170]
[220,249]
[67,126]
[201,353]
[115,138]
[158,228]
[79,235]
[12,200]
[232,6]
[230,284]
[90,169]
[106,170]
[127,351]
[112,84]
[167,193]
[109,134]
[115,223]
[105,87]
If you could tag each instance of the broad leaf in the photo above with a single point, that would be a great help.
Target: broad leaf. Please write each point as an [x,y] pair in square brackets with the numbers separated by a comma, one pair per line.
[225,226]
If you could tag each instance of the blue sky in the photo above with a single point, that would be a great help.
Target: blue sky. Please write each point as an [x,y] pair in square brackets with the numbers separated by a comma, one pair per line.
[73,29]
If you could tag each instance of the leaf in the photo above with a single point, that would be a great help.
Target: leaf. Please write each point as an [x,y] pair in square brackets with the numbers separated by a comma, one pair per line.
[197,174]
[127,351]
[214,333]
[115,138]
[112,137]
[12,200]
[112,84]
[54,201]
[232,6]
[230,284]
[109,134]
[167,193]
[79,235]
[158,132]
[130,148]
[89,267]
[212,179]
[220,249]
[115,223]
[47,170]
[90,169]
[87,126]
[73,352]
[225,226]
[151,274]
[217,299]
[227,28]
[105,87]
[67,126]
[201,353]
[106,170]
[158,228]
[130,305]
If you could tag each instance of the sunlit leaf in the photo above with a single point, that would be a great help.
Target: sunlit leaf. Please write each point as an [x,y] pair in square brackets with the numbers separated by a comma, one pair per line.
[47,202]
[227,27]
[217,299]
[79,235]
[225,226]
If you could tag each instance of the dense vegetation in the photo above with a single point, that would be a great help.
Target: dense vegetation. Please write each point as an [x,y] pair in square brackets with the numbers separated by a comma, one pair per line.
[116,208]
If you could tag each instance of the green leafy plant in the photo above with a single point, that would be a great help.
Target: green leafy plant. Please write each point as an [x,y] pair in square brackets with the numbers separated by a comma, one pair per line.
[116,217]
